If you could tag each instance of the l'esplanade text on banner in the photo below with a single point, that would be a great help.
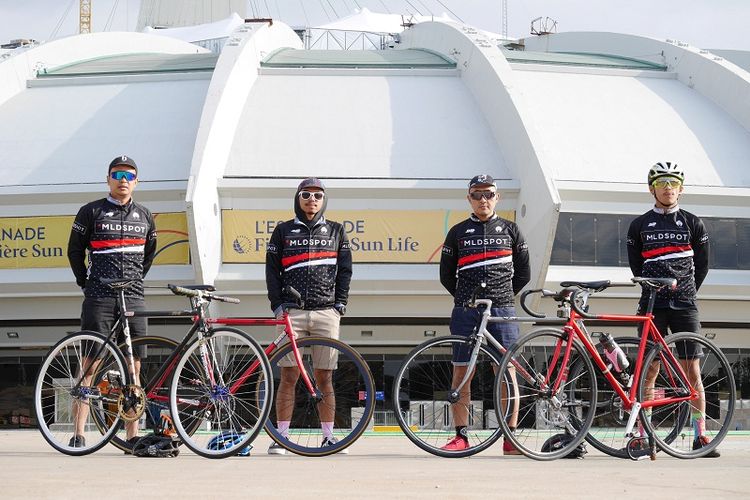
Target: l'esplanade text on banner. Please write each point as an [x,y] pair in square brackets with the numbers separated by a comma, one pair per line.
[33,242]
[375,236]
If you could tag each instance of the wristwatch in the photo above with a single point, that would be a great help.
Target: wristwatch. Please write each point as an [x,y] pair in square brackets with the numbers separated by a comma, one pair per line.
[341,308]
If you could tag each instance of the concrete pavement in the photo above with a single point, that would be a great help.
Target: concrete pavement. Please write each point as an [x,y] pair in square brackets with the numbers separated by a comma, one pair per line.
[378,466]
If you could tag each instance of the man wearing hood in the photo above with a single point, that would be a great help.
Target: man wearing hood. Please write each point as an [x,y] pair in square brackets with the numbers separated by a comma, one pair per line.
[312,255]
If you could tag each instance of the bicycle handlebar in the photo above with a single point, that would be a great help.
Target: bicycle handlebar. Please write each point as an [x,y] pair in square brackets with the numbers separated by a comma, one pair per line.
[529,311]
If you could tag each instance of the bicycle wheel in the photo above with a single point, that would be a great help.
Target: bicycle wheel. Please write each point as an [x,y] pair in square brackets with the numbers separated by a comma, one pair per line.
[546,413]
[216,383]
[157,351]
[347,399]
[424,406]
[718,386]
[61,406]
[607,433]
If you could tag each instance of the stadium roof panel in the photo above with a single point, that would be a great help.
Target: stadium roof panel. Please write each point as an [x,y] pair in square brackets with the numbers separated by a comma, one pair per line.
[408,58]
[141,63]
[579,59]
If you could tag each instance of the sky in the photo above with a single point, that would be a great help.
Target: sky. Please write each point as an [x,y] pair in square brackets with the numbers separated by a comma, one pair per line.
[702,23]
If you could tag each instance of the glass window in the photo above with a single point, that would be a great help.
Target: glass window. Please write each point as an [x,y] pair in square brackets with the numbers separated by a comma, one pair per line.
[563,245]
[722,234]
[583,250]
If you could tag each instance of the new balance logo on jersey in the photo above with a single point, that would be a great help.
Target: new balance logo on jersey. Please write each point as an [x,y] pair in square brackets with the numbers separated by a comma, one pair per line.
[651,224]
[295,230]
[471,230]
[109,214]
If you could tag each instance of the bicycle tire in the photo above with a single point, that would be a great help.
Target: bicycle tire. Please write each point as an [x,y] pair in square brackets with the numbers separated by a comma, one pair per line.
[58,374]
[353,391]
[720,393]
[543,416]
[426,373]
[607,433]
[158,350]
[224,401]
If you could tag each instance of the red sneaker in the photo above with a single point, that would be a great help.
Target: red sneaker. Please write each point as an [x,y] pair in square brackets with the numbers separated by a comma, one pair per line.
[456,444]
[509,448]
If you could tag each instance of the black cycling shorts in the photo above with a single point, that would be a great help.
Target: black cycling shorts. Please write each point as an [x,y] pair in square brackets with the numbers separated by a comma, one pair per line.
[99,314]
[669,321]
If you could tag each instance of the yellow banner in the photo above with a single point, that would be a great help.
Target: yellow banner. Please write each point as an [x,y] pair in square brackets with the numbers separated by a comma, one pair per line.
[30,242]
[376,236]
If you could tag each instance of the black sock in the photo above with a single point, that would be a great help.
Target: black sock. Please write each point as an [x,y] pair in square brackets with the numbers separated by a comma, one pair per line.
[461,432]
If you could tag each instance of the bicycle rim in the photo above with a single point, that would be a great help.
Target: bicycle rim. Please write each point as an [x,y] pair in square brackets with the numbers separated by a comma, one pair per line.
[423,404]
[57,408]
[543,415]
[672,424]
[219,388]
[350,403]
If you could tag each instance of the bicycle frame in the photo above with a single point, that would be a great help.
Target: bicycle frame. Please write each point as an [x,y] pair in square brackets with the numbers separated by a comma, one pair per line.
[482,335]
[576,329]
[288,333]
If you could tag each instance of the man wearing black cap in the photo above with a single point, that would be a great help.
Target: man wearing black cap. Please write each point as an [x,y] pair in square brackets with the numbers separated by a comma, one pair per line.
[482,249]
[312,255]
[118,236]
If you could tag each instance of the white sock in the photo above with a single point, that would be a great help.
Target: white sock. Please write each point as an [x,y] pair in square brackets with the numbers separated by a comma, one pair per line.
[327,429]
[283,427]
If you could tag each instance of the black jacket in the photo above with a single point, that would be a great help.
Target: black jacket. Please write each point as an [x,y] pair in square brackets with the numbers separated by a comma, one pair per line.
[316,261]
[492,252]
[120,242]
[671,245]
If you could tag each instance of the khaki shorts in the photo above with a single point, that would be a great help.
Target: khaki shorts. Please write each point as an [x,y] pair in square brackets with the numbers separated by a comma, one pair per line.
[321,323]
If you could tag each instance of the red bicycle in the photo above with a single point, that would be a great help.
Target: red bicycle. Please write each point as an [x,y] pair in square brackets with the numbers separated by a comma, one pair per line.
[671,378]
[328,382]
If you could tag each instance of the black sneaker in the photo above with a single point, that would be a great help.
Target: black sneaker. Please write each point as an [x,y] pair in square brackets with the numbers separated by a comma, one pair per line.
[130,444]
[77,441]
[332,441]
[702,441]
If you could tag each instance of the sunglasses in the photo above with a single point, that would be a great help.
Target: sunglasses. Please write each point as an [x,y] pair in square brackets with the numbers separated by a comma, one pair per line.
[663,183]
[119,175]
[478,195]
[306,195]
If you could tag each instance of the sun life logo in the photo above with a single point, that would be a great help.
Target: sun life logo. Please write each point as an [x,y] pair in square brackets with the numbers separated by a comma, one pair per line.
[242,244]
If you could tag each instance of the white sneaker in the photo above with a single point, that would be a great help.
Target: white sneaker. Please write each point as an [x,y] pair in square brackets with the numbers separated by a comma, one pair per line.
[330,442]
[276,449]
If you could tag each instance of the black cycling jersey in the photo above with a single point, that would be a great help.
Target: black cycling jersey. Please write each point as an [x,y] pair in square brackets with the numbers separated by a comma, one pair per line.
[120,241]
[316,261]
[492,252]
[669,244]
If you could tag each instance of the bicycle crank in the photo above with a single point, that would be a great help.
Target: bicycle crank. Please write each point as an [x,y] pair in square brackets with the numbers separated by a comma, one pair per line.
[132,403]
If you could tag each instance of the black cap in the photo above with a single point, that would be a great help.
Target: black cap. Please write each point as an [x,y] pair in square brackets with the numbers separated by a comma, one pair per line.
[310,182]
[482,180]
[123,160]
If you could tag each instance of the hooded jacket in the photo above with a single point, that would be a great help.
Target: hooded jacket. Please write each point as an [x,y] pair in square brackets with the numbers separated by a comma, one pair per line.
[313,257]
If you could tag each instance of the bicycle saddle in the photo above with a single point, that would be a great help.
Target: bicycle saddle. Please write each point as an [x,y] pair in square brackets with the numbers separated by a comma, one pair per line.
[591,285]
[205,288]
[656,282]
[118,283]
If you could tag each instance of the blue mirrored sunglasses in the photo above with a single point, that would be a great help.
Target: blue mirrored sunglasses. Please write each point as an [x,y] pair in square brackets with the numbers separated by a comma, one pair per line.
[119,175]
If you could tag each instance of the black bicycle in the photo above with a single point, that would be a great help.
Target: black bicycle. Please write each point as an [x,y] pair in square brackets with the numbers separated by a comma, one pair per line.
[216,384]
